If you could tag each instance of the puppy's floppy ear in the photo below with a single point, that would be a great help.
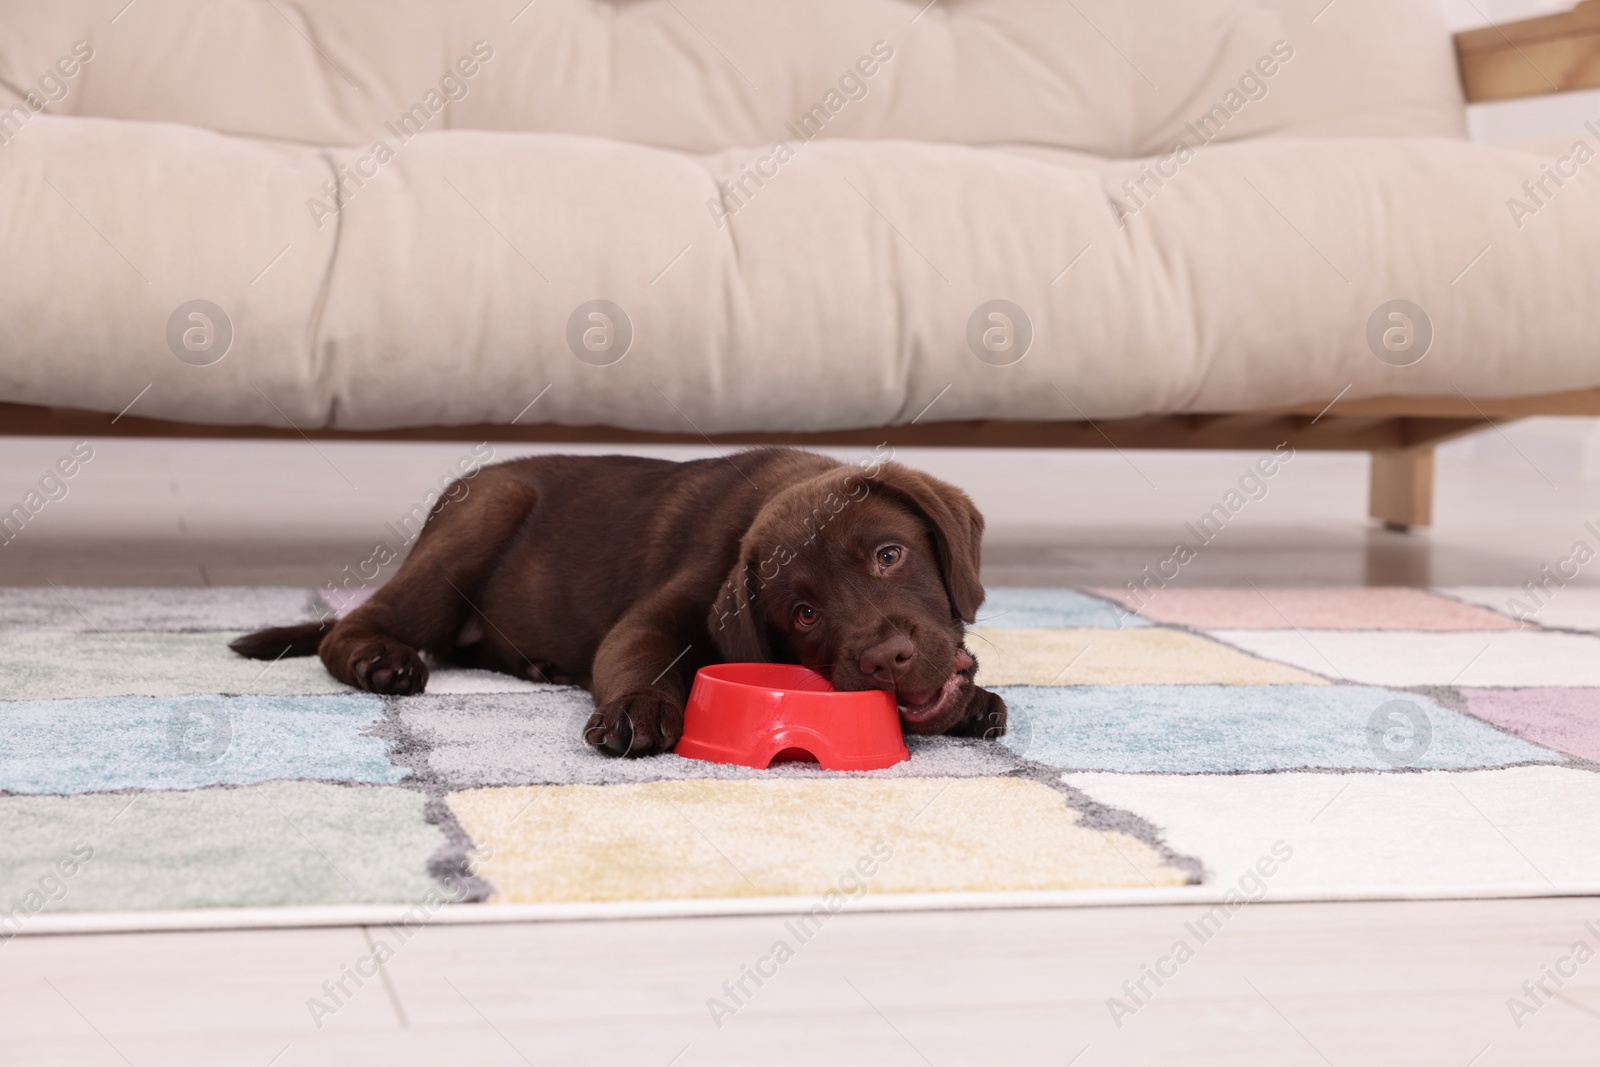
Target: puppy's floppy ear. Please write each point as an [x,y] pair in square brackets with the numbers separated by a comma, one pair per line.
[737,625]
[957,529]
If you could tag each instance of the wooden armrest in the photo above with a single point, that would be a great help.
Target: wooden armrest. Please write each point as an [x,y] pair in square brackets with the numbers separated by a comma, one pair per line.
[1554,54]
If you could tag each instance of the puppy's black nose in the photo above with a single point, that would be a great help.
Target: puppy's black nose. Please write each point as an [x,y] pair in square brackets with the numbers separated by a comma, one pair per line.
[888,661]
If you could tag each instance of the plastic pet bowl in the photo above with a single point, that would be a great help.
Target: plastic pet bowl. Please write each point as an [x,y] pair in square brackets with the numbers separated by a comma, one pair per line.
[753,713]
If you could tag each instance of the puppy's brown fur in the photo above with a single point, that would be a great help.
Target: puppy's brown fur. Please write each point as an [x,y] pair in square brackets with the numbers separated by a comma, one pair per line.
[626,575]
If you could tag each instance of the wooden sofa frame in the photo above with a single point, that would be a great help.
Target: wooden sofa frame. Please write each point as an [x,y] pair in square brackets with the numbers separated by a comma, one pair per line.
[1545,55]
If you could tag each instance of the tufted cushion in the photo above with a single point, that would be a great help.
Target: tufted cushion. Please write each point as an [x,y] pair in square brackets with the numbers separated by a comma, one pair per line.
[840,296]
[1111,77]
[625,152]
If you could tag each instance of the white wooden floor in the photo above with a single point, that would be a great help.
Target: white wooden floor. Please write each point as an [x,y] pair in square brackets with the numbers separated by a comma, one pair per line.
[1313,984]
[1346,984]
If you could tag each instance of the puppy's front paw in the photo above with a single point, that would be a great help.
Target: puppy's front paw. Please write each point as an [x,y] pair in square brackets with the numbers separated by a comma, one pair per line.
[985,718]
[635,724]
[382,665]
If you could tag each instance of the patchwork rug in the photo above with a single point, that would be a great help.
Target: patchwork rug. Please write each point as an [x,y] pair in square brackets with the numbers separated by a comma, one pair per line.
[1207,744]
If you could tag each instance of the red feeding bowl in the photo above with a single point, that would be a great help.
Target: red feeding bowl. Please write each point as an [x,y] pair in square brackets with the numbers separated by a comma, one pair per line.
[753,713]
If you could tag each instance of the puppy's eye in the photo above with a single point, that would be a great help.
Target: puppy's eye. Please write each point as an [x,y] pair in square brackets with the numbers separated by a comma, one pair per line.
[889,555]
[805,617]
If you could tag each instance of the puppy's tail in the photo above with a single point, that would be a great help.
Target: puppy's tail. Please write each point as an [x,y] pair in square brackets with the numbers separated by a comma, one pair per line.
[281,641]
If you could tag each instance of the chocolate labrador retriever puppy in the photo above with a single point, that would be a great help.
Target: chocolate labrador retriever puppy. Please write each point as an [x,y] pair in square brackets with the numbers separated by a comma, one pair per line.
[626,575]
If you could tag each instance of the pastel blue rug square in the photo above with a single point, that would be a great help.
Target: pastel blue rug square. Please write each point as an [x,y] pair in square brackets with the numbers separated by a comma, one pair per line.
[138,742]
[1014,608]
[1193,729]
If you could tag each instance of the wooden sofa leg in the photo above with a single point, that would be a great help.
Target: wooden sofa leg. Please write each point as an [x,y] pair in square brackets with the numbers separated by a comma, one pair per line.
[1402,488]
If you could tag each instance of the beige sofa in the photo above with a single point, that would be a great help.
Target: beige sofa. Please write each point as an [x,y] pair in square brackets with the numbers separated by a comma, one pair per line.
[1129,223]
